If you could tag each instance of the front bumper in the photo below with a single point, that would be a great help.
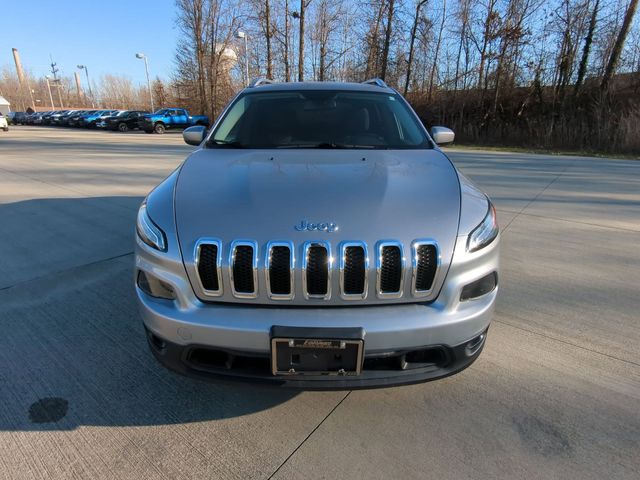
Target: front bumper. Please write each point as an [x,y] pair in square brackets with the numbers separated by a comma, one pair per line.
[382,370]
[226,332]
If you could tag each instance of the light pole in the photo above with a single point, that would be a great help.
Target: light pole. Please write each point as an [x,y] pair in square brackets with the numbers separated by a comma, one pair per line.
[241,35]
[47,77]
[142,56]
[86,72]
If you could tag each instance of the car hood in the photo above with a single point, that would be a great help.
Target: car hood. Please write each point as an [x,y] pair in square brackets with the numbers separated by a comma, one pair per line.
[263,195]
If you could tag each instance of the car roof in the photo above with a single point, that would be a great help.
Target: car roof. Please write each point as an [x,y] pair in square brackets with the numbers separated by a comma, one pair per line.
[297,86]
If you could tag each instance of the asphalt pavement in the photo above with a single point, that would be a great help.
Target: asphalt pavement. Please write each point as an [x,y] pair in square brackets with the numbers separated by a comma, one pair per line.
[555,394]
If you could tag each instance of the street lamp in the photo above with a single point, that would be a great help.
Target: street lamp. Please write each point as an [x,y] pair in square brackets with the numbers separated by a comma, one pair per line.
[47,77]
[142,56]
[86,72]
[241,35]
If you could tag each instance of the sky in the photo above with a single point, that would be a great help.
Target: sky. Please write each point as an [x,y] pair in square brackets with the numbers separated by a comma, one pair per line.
[103,35]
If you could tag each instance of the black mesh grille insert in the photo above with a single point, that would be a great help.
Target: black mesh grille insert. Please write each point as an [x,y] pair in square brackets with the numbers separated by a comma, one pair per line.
[279,270]
[243,269]
[208,267]
[317,270]
[354,270]
[426,267]
[391,269]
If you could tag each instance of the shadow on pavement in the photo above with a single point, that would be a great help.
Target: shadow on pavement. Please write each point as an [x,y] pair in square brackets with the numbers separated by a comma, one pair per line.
[72,347]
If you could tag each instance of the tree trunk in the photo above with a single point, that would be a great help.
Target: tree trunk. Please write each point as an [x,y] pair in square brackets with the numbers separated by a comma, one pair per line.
[387,40]
[617,48]
[584,62]
[287,67]
[414,28]
[437,52]
[267,33]
[303,4]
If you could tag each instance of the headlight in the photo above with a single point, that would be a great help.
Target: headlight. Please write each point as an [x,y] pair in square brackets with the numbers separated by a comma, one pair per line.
[485,233]
[149,232]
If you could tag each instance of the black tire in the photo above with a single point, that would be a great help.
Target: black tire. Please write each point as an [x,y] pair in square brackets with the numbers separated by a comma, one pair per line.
[6,129]
[123,127]
[159,128]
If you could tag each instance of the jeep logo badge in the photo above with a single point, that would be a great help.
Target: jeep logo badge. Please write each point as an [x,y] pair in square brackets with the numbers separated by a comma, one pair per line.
[316,227]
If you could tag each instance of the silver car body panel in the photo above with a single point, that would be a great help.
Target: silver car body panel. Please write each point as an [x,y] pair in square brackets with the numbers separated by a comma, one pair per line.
[372,196]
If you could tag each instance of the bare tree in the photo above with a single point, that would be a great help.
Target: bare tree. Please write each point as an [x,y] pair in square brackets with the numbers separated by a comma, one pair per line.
[617,48]
[582,71]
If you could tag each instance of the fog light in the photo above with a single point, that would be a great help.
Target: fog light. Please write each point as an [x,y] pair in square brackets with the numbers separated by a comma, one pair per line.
[154,287]
[480,287]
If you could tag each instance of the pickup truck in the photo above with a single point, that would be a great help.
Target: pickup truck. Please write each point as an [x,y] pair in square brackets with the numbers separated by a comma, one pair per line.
[166,118]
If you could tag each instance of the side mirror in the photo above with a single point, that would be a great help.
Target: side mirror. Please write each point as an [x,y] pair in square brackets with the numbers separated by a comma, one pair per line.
[194,135]
[442,135]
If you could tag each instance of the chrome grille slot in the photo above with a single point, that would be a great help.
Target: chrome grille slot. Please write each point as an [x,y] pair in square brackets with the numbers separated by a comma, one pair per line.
[425,260]
[316,275]
[279,270]
[354,265]
[208,256]
[243,269]
[390,270]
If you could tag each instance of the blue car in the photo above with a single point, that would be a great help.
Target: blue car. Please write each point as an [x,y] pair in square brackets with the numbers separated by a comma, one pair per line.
[90,120]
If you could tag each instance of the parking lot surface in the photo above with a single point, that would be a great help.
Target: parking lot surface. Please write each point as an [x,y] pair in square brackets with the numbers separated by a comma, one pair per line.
[555,394]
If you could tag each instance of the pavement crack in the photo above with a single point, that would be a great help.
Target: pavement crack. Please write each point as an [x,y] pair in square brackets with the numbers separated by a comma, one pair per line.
[308,436]
[582,347]
[65,270]
[536,197]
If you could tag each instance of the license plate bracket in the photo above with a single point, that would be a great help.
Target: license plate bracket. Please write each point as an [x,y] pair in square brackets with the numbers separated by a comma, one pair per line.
[316,351]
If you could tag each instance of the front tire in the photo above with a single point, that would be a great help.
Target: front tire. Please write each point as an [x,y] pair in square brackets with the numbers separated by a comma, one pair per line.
[6,129]
[159,128]
[123,127]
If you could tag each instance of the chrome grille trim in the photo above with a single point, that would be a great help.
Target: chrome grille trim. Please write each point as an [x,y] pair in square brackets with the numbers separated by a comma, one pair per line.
[343,250]
[232,253]
[305,261]
[414,266]
[196,255]
[379,248]
[292,265]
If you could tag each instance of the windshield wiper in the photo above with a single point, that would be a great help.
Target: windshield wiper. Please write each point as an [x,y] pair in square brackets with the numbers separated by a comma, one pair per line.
[227,143]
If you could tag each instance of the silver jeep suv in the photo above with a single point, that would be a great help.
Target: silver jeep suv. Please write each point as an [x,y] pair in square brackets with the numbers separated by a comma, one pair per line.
[318,238]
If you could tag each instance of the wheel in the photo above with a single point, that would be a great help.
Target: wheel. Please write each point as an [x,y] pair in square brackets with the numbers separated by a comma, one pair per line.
[159,128]
[123,127]
[6,129]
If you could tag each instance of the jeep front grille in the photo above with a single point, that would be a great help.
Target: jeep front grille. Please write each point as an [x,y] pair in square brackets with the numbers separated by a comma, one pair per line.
[244,269]
[315,269]
[279,270]
[425,265]
[391,269]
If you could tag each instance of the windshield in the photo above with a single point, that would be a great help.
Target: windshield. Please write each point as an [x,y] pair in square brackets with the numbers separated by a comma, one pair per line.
[319,119]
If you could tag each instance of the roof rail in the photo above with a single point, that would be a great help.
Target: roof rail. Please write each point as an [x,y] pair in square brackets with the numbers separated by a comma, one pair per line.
[377,82]
[256,82]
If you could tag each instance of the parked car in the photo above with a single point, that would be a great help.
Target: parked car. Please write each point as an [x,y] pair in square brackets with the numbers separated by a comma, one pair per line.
[4,125]
[123,121]
[167,118]
[38,117]
[56,117]
[46,117]
[339,247]
[91,120]
[19,118]
[74,120]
